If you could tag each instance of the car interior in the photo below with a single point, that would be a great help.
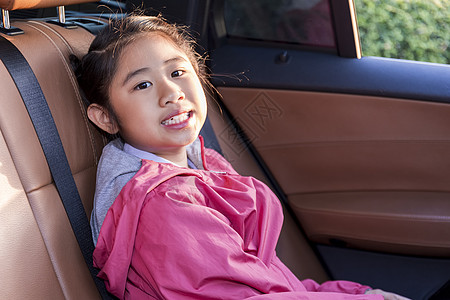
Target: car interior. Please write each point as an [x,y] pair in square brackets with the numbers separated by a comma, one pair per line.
[356,150]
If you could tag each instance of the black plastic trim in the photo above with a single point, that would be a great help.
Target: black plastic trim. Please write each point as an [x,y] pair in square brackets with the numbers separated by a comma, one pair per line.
[344,29]
[256,67]
[414,277]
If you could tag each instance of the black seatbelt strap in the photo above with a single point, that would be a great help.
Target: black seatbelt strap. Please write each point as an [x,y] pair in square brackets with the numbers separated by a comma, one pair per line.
[46,130]
[209,136]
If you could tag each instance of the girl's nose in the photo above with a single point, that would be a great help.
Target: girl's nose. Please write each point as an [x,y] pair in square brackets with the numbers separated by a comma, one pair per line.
[170,93]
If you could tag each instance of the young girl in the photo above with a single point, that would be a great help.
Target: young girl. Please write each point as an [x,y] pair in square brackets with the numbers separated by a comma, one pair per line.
[171,219]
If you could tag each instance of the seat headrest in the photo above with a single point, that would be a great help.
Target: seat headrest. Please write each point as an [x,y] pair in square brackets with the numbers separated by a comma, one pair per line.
[31,4]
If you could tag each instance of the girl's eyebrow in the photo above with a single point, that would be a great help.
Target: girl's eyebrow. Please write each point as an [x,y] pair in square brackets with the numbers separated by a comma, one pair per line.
[146,69]
[175,59]
[134,73]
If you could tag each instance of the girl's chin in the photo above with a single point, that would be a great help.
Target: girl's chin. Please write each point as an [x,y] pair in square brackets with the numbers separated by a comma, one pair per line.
[186,139]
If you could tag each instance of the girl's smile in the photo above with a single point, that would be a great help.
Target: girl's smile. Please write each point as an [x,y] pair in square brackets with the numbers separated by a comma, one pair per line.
[178,120]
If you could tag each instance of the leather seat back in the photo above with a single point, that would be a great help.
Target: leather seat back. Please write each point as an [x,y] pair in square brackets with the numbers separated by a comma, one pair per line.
[40,257]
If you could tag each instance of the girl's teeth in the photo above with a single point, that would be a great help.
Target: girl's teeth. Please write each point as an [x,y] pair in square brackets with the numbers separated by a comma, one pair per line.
[176,119]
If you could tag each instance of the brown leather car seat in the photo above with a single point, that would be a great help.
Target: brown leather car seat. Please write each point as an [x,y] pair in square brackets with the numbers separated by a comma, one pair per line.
[39,256]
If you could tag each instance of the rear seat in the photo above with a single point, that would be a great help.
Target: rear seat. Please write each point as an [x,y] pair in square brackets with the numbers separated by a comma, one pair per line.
[40,257]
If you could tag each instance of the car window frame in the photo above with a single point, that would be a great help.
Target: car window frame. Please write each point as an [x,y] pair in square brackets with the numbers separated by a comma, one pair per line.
[343,21]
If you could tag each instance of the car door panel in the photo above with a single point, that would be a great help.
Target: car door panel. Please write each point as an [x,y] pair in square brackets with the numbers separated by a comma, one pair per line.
[360,149]
[346,160]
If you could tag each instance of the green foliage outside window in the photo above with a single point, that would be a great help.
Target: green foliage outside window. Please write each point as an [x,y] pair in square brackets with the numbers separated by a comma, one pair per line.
[406,29]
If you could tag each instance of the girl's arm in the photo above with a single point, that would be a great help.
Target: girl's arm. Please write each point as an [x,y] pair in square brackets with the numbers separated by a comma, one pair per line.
[348,287]
[338,286]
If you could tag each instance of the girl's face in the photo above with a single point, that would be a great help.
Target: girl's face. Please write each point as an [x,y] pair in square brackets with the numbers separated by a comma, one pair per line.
[157,96]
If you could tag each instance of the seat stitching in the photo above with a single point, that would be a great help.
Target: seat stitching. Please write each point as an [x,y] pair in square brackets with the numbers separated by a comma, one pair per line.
[72,78]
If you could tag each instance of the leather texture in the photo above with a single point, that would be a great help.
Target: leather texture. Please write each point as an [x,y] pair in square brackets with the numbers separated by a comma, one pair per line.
[32,4]
[40,253]
[364,172]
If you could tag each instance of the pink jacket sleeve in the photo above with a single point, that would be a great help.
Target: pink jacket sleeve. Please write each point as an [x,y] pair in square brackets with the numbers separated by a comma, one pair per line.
[315,296]
[338,286]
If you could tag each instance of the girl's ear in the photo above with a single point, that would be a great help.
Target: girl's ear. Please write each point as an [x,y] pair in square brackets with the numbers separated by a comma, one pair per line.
[100,117]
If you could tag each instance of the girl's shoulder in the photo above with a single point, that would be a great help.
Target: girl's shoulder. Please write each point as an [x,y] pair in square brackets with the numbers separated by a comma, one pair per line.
[114,162]
[214,161]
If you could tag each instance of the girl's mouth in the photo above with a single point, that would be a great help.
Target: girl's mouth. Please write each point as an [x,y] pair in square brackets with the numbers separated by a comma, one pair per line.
[177,119]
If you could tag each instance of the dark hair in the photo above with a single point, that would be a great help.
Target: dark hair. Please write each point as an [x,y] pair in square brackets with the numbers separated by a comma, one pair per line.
[98,67]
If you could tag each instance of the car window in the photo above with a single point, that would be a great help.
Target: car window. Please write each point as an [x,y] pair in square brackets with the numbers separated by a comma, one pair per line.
[414,30]
[304,22]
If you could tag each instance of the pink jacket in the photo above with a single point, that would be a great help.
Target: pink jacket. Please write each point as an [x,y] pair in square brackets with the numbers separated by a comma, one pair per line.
[178,233]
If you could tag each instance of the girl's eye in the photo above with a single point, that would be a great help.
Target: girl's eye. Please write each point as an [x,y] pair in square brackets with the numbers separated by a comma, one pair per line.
[143,85]
[177,73]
